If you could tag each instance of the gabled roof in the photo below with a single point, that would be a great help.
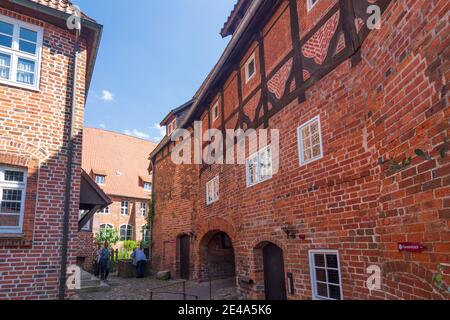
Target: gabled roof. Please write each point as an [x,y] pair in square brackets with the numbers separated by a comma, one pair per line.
[175,112]
[122,159]
[235,17]
[61,5]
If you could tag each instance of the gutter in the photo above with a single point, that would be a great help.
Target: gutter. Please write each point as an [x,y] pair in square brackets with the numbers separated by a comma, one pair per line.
[214,73]
[66,221]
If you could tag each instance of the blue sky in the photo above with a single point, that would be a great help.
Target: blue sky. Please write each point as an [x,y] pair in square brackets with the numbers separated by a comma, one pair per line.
[153,57]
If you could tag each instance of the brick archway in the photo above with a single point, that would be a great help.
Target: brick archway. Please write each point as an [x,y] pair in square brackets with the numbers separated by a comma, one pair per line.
[257,273]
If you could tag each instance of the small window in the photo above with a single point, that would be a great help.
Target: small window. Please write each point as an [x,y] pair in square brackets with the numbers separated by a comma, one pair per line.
[145,234]
[172,127]
[144,209]
[124,208]
[126,232]
[212,191]
[105,210]
[250,68]
[106,226]
[325,275]
[215,111]
[311,3]
[12,199]
[101,180]
[147,186]
[20,53]
[310,141]
[259,167]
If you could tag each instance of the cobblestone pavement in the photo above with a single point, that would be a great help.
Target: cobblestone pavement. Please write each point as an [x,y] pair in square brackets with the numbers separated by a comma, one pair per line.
[141,289]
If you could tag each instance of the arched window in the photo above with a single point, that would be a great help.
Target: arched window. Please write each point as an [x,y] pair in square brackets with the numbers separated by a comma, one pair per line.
[106,226]
[126,232]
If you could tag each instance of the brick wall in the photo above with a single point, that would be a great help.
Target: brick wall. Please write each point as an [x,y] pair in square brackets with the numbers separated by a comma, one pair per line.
[33,135]
[382,107]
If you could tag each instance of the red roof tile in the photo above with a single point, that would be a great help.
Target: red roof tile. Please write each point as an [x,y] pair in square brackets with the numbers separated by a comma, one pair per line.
[61,5]
[123,159]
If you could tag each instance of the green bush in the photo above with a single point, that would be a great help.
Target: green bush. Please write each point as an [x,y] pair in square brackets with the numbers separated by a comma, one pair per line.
[109,235]
[130,245]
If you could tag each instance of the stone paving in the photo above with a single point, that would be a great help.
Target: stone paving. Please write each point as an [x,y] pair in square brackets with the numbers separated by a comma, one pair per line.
[141,289]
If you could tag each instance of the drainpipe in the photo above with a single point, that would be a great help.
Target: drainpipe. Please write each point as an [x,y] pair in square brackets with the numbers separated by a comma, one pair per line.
[65,241]
[152,216]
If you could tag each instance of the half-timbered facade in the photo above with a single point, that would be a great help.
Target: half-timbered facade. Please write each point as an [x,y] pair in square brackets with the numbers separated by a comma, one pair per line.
[362,187]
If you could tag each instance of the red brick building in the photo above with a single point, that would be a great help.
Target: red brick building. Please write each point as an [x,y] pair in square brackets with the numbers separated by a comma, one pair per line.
[353,194]
[40,155]
[118,164]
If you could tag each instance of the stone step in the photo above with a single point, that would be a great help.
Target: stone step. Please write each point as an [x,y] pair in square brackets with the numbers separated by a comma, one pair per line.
[99,288]
[90,283]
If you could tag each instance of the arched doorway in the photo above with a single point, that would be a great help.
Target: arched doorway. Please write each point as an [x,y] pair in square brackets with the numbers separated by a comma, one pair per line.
[217,256]
[274,280]
[184,254]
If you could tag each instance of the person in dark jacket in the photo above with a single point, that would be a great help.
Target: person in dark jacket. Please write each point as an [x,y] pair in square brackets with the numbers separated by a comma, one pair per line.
[104,262]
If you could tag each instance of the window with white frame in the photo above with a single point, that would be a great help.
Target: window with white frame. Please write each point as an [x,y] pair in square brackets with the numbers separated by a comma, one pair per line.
[143,209]
[310,141]
[215,111]
[126,232]
[212,191]
[106,226]
[259,167]
[145,234]
[250,68]
[12,199]
[124,208]
[20,53]
[105,210]
[325,274]
[100,180]
[172,127]
[311,3]
[147,186]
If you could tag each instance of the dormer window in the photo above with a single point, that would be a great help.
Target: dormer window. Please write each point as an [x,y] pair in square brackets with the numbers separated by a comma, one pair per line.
[215,111]
[311,4]
[250,68]
[100,180]
[20,53]
[147,186]
[171,127]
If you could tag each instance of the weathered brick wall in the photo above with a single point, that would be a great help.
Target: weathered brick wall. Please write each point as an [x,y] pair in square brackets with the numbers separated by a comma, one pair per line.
[390,103]
[86,250]
[33,134]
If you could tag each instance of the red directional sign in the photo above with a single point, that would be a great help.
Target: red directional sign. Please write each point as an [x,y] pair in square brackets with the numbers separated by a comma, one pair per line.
[411,247]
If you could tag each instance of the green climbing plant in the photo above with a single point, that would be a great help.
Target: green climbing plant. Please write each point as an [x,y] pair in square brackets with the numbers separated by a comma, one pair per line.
[443,149]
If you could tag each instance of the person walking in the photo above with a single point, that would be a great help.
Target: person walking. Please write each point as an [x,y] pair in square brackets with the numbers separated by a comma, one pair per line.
[104,262]
[140,259]
[98,253]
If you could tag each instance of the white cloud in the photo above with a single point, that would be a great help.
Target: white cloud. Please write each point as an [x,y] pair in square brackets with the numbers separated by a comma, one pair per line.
[102,125]
[162,131]
[107,96]
[136,133]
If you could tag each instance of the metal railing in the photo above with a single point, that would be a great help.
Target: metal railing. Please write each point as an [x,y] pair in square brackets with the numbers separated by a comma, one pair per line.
[183,293]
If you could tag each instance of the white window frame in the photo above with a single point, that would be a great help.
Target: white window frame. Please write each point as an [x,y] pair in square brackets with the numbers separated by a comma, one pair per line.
[16,54]
[215,111]
[107,226]
[105,211]
[300,141]
[128,226]
[211,188]
[248,76]
[143,208]
[311,4]
[22,186]
[171,126]
[100,177]
[312,269]
[149,184]
[125,209]
[257,158]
